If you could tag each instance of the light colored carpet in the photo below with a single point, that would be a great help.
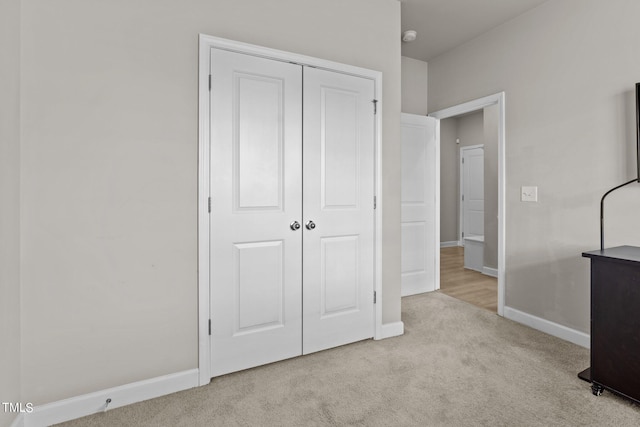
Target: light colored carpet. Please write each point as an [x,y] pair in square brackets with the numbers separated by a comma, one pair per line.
[456,365]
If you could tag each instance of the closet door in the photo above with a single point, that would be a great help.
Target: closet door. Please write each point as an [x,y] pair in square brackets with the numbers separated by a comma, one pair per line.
[338,241]
[256,190]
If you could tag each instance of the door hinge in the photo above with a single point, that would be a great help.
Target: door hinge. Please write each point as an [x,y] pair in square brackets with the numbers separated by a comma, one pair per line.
[375,106]
[209,204]
[209,326]
[462,200]
[209,82]
[375,202]
[374,297]
[463,160]
[463,234]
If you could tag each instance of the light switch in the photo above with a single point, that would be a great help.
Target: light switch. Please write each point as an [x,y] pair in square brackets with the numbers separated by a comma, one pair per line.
[529,194]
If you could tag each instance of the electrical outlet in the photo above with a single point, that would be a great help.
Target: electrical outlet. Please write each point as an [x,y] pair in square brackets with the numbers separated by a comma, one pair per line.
[529,194]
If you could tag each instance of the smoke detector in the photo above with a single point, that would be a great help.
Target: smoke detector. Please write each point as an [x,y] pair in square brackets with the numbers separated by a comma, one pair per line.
[409,36]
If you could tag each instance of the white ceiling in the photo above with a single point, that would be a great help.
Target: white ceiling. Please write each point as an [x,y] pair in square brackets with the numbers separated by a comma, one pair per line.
[445,24]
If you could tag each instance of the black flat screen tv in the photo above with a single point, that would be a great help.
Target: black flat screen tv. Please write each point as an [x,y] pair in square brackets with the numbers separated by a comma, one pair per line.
[636,179]
[638,132]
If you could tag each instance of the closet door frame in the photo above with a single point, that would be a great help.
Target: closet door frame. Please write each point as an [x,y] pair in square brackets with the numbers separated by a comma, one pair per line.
[206,44]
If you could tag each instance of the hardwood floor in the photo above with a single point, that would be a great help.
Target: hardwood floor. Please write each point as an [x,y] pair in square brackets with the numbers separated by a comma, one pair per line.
[467,285]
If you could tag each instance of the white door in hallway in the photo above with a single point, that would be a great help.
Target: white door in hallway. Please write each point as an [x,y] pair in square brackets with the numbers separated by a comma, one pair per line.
[338,265]
[256,190]
[472,190]
[420,241]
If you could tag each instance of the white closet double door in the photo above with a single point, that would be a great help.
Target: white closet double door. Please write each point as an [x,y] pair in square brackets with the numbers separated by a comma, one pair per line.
[292,220]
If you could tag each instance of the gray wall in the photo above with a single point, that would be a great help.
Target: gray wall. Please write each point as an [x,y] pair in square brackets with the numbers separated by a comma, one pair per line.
[9,206]
[109,172]
[568,69]
[414,86]
[470,129]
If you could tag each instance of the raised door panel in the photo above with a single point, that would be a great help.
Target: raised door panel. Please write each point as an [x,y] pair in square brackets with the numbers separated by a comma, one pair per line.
[258,142]
[338,264]
[256,175]
[414,168]
[339,148]
[339,275]
[259,286]
[414,257]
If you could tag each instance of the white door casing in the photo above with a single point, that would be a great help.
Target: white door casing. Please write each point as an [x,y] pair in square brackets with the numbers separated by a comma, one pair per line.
[256,187]
[498,100]
[471,191]
[420,184]
[338,168]
[206,168]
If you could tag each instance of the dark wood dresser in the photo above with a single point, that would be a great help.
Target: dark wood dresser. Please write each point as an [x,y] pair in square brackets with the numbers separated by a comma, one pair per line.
[615,321]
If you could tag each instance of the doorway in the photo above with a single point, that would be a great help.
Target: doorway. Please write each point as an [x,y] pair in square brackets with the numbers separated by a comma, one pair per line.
[472,188]
[268,88]
[496,103]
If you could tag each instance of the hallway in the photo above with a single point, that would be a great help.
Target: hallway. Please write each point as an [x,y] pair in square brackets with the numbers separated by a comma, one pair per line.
[464,284]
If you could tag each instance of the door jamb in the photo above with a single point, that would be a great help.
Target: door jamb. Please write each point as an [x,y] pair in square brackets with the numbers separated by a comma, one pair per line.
[468,107]
[461,192]
[206,43]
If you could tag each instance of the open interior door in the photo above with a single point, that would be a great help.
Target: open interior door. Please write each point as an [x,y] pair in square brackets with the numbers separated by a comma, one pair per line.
[420,201]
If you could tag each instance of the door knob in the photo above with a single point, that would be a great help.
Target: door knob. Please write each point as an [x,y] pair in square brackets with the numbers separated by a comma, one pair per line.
[310,225]
[295,225]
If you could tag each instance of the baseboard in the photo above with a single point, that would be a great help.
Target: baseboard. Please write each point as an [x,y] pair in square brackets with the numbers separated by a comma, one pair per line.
[546,326]
[18,421]
[449,244]
[389,330]
[493,272]
[87,404]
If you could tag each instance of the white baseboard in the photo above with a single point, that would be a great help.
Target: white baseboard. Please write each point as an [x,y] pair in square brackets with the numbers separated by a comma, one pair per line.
[389,330]
[546,326]
[87,404]
[18,421]
[493,272]
[449,244]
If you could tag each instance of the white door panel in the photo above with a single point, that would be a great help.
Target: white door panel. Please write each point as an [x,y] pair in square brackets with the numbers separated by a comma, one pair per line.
[339,275]
[339,150]
[418,204]
[338,197]
[256,151]
[259,308]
